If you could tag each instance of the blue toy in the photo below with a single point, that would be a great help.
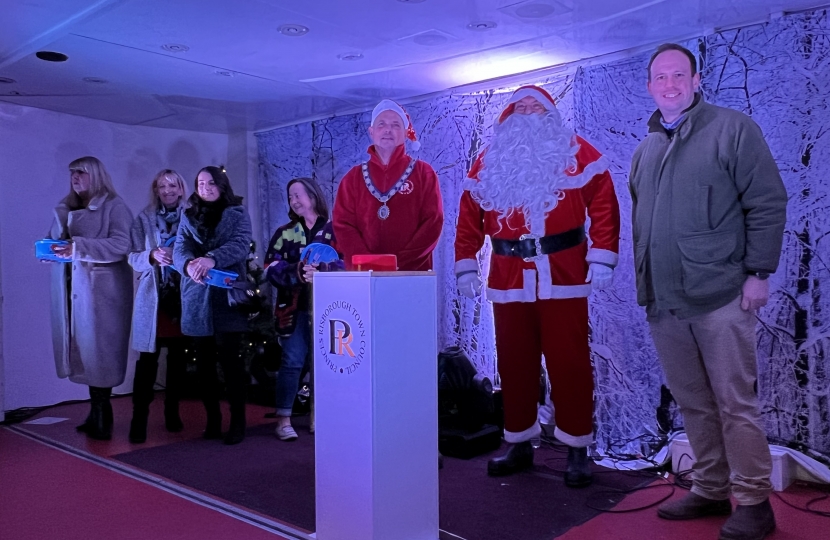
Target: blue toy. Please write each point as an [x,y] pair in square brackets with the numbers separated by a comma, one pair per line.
[43,250]
[318,253]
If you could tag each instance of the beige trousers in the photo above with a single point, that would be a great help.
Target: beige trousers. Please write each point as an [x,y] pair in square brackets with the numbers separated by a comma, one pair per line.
[711,369]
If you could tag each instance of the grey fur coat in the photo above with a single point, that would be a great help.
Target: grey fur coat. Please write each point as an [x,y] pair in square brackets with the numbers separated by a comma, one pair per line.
[145,237]
[205,309]
[92,296]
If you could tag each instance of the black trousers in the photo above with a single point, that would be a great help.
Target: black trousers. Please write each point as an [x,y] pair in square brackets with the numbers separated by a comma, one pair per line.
[226,348]
[146,369]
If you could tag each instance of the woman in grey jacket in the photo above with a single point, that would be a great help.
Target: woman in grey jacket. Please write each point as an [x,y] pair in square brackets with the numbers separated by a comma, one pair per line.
[158,309]
[215,232]
[92,293]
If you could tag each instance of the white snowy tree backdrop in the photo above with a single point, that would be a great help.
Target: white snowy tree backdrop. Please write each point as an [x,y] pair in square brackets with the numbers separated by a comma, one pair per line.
[778,73]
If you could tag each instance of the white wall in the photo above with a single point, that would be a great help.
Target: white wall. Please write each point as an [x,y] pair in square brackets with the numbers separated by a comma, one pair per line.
[243,170]
[35,148]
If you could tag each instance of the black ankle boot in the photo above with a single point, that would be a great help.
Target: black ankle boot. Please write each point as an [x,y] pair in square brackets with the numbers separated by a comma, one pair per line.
[236,433]
[138,425]
[85,426]
[100,425]
[578,473]
[213,429]
[172,420]
[518,458]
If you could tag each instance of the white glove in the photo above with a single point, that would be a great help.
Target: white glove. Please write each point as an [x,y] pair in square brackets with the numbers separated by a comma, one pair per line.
[469,285]
[600,276]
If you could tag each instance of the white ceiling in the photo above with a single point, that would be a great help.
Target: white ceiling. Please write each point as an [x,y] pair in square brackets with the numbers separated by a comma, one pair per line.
[241,73]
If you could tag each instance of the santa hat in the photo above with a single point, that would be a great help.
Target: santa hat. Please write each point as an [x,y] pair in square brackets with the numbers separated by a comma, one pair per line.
[389,105]
[539,94]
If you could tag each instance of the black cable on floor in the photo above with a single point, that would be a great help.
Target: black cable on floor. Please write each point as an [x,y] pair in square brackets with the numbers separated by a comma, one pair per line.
[621,494]
[806,508]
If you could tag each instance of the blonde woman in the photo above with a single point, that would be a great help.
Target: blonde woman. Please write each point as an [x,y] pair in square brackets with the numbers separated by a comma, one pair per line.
[157,311]
[92,295]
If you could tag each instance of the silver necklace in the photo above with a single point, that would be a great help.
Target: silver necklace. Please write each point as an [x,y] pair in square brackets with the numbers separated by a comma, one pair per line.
[383,211]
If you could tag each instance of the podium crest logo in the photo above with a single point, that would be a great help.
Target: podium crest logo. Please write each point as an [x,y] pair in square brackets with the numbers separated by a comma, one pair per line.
[341,337]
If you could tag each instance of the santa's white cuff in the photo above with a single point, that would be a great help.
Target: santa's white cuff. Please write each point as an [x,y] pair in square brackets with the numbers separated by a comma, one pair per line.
[516,437]
[466,265]
[576,442]
[602,256]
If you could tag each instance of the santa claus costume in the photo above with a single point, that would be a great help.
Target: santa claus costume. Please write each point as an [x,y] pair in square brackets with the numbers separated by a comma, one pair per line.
[390,206]
[530,192]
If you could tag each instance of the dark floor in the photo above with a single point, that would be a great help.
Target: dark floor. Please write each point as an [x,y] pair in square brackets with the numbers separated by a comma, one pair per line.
[45,489]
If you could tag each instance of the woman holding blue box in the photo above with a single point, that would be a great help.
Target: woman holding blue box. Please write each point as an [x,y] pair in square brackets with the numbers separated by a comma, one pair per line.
[158,309]
[215,232]
[92,295]
[309,223]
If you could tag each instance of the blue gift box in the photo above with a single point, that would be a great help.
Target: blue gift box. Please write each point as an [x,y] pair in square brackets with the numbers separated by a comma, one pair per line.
[220,278]
[43,250]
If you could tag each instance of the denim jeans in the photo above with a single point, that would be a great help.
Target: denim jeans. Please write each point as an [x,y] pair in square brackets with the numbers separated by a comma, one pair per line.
[296,359]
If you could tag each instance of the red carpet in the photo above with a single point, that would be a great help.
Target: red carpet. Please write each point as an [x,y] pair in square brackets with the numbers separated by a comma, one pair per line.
[792,524]
[46,494]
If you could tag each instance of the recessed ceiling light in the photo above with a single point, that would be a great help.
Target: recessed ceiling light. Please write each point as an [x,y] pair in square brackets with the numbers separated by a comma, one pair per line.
[95,80]
[481,26]
[175,47]
[50,56]
[535,11]
[293,30]
[350,57]
[224,72]
[6,80]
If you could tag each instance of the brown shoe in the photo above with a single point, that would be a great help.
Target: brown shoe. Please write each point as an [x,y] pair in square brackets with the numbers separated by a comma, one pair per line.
[749,522]
[693,506]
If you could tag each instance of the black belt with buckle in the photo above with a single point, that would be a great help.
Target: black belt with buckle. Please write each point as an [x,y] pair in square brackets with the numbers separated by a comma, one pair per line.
[529,247]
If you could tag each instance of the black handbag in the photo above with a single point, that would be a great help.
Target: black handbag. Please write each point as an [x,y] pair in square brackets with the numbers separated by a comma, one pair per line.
[243,295]
[285,312]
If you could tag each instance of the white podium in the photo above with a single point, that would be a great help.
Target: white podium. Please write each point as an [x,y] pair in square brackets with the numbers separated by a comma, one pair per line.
[376,405]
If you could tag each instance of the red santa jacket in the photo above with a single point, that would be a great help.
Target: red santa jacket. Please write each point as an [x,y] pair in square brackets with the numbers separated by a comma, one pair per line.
[416,213]
[558,275]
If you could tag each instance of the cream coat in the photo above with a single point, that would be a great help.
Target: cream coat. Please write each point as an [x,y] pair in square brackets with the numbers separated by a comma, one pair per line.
[92,296]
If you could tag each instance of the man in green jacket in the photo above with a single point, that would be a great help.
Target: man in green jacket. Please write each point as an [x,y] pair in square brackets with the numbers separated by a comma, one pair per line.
[708,210]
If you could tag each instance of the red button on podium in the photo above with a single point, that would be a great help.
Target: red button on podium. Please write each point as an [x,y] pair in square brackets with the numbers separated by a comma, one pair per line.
[378,263]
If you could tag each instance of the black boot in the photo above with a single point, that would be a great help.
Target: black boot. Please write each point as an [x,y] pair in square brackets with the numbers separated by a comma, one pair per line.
[172,421]
[138,425]
[146,369]
[213,429]
[236,433]
[100,425]
[518,458]
[176,373]
[578,473]
[85,426]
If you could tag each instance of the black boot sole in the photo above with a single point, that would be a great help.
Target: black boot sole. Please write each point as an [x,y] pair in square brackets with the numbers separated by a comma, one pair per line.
[234,438]
[175,426]
[579,482]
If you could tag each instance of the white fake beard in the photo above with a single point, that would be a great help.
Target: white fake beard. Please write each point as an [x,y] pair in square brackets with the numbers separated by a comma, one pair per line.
[524,168]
